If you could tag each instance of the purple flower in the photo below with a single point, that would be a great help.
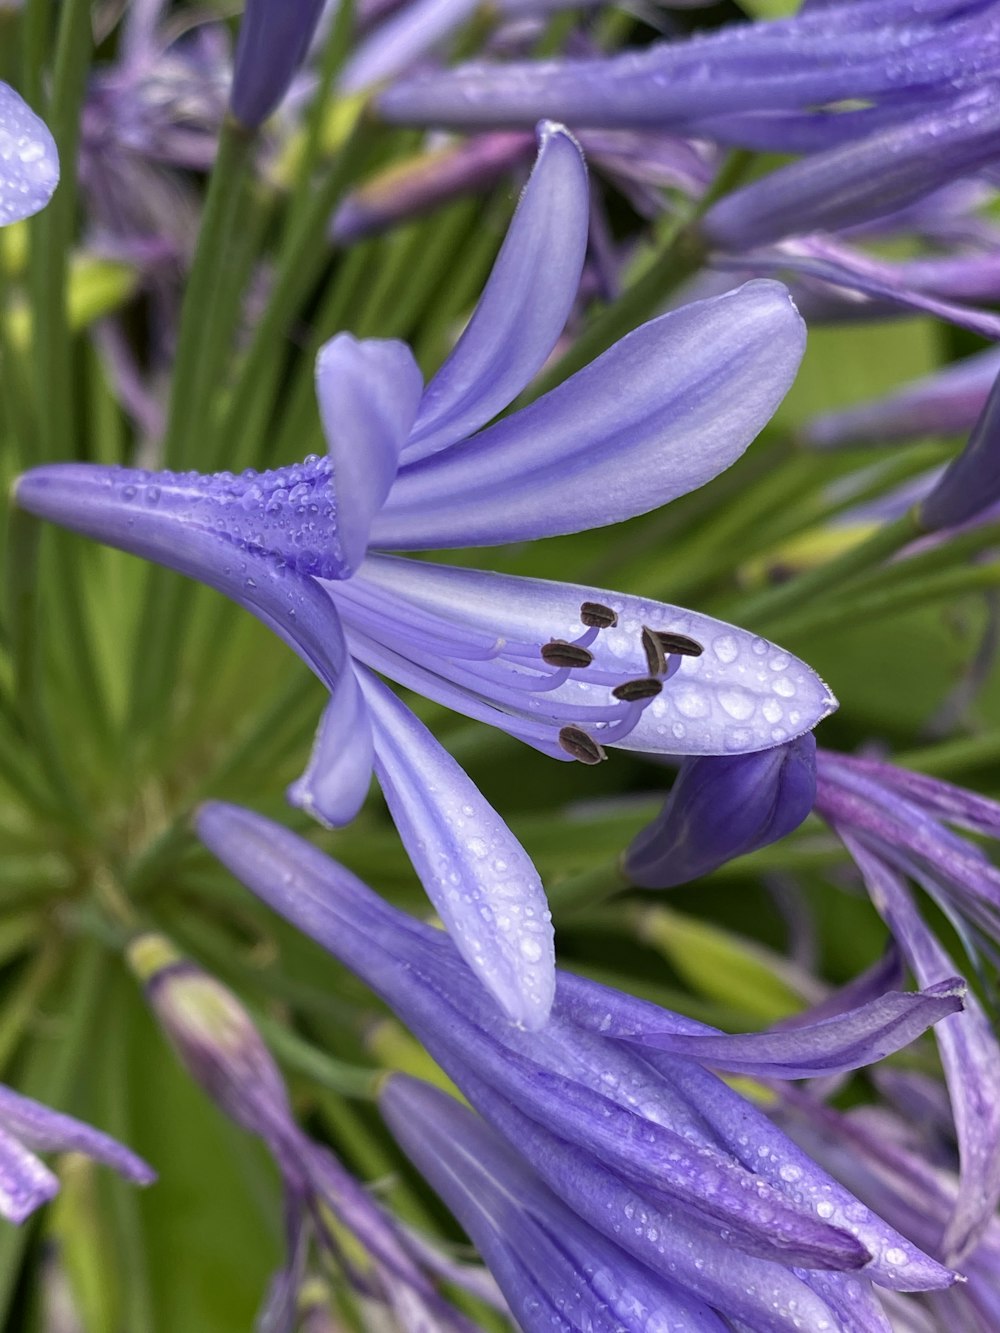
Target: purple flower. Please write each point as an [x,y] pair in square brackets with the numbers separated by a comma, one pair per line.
[895,825]
[720,808]
[612,1106]
[29,164]
[273,41]
[971,482]
[219,1046]
[569,669]
[26,1128]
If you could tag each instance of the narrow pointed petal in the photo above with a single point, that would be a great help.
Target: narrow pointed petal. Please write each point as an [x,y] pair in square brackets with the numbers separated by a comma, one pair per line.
[721,808]
[29,163]
[474,870]
[334,786]
[44,1130]
[25,1182]
[969,1053]
[524,305]
[547,1260]
[368,392]
[742,694]
[971,482]
[158,516]
[832,1046]
[401,40]
[955,804]
[662,412]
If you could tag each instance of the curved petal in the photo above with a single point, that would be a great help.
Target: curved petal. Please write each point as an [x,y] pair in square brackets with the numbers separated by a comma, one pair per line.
[474,870]
[663,411]
[334,786]
[742,694]
[40,1128]
[859,1037]
[159,516]
[524,306]
[401,40]
[369,392]
[25,1182]
[29,163]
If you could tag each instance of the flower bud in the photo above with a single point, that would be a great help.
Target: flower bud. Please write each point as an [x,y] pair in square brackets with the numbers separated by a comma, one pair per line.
[274,38]
[721,808]
[971,482]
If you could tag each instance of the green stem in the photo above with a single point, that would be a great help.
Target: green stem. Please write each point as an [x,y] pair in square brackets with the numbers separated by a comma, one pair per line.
[954,756]
[303,1058]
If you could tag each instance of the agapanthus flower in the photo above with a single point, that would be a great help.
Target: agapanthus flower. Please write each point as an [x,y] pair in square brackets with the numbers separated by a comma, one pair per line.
[568,669]
[221,1048]
[274,39]
[895,823]
[29,163]
[612,1106]
[27,1128]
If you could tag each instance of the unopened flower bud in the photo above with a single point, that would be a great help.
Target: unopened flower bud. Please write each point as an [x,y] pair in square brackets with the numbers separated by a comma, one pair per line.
[971,483]
[274,38]
[721,808]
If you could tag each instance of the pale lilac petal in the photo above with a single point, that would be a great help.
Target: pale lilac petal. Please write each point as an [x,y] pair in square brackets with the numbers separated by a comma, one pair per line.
[25,1182]
[474,870]
[662,412]
[44,1130]
[368,395]
[831,1046]
[969,1053]
[524,305]
[334,786]
[743,693]
[402,39]
[29,163]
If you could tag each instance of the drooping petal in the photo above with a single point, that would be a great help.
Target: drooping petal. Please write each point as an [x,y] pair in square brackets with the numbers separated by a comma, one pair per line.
[25,1182]
[474,870]
[548,1261]
[197,527]
[720,808]
[44,1130]
[334,786]
[29,163]
[662,412]
[971,482]
[741,694]
[524,305]
[369,392]
[969,1053]
[831,1046]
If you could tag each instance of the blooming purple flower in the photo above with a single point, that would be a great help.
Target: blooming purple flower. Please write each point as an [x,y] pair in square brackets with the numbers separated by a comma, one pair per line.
[568,669]
[895,825]
[720,808]
[611,1104]
[222,1050]
[273,41]
[26,1128]
[29,163]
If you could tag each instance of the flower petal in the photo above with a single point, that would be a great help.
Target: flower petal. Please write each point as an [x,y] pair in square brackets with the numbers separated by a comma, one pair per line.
[524,306]
[742,694]
[810,1050]
[334,786]
[369,392]
[662,412]
[401,40]
[969,1053]
[29,163]
[44,1130]
[474,870]
[25,1182]
[155,515]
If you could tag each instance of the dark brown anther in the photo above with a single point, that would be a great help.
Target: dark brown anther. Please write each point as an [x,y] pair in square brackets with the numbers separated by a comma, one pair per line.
[575,741]
[597,616]
[559,653]
[631,691]
[656,658]
[678,643]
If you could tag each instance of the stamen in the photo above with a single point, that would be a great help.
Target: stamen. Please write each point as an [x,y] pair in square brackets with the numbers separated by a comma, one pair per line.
[678,643]
[631,691]
[576,742]
[656,659]
[597,616]
[559,653]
